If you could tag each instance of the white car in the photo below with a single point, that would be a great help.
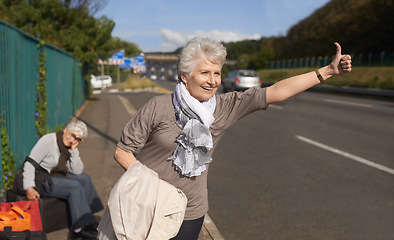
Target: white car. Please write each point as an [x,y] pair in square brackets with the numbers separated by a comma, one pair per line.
[99,82]
[240,80]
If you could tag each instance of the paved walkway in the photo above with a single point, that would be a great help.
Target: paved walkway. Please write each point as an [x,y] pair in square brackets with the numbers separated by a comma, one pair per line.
[105,116]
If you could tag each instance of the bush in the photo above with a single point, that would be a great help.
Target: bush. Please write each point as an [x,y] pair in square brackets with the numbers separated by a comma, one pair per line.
[135,82]
[7,160]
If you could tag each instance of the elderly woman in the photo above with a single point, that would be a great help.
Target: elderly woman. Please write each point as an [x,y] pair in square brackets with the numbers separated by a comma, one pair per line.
[180,131]
[58,154]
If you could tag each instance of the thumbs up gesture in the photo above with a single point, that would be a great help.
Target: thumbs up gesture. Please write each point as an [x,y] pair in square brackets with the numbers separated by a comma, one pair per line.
[341,63]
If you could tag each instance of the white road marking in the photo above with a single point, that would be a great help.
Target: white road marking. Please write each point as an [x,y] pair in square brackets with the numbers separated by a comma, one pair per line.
[347,155]
[127,105]
[348,103]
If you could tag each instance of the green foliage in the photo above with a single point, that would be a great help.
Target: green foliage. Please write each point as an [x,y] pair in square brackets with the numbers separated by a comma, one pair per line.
[244,60]
[360,26]
[115,44]
[251,54]
[389,83]
[135,82]
[58,128]
[235,49]
[7,160]
[276,76]
[66,24]
[225,71]
[41,95]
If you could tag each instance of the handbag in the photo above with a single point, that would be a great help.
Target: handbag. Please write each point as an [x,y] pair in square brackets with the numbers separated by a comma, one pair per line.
[8,234]
[15,218]
[21,215]
[41,177]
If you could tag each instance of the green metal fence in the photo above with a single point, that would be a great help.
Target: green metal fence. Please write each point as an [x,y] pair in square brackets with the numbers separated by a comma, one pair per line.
[64,88]
[19,73]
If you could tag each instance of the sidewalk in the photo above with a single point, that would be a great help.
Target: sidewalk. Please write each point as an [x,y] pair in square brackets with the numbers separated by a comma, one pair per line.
[105,115]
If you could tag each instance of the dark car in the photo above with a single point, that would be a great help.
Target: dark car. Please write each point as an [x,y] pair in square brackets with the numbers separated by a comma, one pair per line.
[240,80]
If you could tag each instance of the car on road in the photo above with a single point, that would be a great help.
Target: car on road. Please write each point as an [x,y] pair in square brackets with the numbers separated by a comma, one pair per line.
[241,79]
[99,82]
[153,77]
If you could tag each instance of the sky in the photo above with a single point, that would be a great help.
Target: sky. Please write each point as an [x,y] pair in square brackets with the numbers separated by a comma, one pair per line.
[165,25]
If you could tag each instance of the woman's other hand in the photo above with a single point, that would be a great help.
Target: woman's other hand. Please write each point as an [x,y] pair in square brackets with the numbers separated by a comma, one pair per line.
[125,159]
[32,194]
[74,145]
[341,63]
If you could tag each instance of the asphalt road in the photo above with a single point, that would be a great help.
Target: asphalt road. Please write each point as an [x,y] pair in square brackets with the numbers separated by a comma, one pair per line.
[317,166]
[299,171]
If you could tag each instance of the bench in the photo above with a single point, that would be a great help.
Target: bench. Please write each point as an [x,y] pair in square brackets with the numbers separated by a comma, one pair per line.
[55,214]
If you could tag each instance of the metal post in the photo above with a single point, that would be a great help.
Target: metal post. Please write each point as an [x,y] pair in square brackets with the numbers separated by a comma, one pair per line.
[118,75]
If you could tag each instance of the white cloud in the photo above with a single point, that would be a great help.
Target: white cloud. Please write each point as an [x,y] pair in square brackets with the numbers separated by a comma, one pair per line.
[174,40]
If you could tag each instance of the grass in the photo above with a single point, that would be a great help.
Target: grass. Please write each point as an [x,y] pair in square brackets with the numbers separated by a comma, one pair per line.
[367,77]
[133,81]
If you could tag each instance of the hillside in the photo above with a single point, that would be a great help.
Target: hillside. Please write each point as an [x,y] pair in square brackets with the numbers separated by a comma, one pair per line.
[361,26]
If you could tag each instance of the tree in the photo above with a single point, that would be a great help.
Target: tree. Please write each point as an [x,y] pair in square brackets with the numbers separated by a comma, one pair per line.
[93,6]
[116,44]
[68,24]
[235,49]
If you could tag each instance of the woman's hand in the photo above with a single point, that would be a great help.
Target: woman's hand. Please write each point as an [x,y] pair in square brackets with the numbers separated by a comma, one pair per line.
[341,63]
[74,145]
[32,194]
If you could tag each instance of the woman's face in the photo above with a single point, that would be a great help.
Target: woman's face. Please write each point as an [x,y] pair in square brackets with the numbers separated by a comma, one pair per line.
[204,81]
[71,138]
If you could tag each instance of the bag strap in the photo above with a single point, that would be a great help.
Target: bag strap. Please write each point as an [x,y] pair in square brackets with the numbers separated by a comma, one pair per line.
[18,212]
[38,167]
[23,214]
[35,164]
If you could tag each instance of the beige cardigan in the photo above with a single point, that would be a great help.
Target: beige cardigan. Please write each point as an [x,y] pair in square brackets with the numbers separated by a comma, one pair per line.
[141,206]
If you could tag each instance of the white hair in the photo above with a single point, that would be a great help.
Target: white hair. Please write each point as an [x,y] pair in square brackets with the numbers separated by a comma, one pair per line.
[78,126]
[199,49]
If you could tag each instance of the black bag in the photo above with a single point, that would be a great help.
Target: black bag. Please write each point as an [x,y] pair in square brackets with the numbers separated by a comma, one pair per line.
[40,180]
[8,234]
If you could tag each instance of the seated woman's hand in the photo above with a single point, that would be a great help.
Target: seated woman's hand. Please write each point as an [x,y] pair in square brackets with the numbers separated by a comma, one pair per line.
[32,194]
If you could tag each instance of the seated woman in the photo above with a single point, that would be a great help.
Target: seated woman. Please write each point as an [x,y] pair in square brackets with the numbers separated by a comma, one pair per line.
[58,154]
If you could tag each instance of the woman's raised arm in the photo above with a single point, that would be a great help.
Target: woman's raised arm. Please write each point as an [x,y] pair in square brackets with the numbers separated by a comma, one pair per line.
[289,87]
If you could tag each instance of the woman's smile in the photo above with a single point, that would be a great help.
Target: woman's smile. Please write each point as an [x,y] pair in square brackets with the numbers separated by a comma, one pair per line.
[207,88]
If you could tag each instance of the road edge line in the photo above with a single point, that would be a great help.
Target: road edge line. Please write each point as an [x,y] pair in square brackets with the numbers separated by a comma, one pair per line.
[211,228]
